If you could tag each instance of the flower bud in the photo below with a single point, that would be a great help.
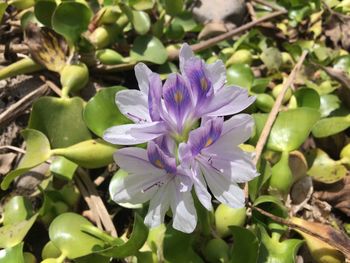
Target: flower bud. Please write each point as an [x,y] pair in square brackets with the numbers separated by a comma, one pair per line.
[277,90]
[226,216]
[242,56]
[104,36]
[264,102]
[74,78]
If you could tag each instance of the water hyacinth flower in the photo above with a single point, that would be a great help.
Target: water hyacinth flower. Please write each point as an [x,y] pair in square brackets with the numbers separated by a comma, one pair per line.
[177,105]
[179,155]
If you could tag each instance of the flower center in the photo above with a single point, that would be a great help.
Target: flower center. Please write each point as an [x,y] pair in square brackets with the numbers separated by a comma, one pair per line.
[204,83]
[178,97]
[159,164]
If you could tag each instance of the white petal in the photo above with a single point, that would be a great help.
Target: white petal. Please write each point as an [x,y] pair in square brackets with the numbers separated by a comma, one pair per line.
[217,74]
[142,73]
[131,134]
[134,105]
[158,206]
[185,54]
[200,188]
[184,212]
[224,190]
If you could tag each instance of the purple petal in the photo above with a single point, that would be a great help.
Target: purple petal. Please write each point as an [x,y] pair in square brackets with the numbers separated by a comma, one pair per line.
[143,73]
[159,159]
[182,206]
[217,74]
[177,98]
[201,85]
[136,186]
[228,101]
[133,104]
[185,54]
[167,144]
[224,190]
[200,187]
[158,206]
[154,96]
[235,131]
[131,134]
[205,135]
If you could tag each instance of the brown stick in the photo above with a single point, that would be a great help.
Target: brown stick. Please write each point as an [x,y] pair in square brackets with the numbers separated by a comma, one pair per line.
[96,199]
[15,109]
[290,224]
[204,44]
[18,48]
[273,115]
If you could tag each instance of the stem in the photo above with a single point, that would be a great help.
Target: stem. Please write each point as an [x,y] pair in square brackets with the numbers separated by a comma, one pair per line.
[96,232]
[23,66]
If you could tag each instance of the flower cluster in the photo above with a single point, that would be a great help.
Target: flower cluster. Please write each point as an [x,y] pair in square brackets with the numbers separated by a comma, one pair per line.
[180,155]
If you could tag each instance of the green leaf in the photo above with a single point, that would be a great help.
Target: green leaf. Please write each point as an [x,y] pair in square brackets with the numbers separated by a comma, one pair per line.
[70,19]
[307,97]
[12,254]
[63,167]
[325,169]
[37,152]
[272,250]
[11,235]
[174,7]
[245,246]
[66,235]
[141,22]
[182,242]
[44,10]
[16,210]
[258,182]
[103,105]
[3,7]
[272,58]
[291,129]
[148,48]
[141,4]
[137,239]
[240,75]
[60,119]
[329,126]
[329,103]
[185,19]
[88,154]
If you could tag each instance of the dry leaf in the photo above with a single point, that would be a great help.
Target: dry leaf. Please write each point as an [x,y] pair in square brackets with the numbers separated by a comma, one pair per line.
[338,30]
[46,47]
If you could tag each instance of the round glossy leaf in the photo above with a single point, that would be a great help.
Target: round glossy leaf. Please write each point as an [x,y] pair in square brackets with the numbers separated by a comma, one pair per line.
[175,32]
[329,103]
[12,254]
[141,4]
[291,129]
[66,235]
[307,97]
[60,119]
[11,235]
[174,7]
[103,105]
[326,170]
[185,19]
[16,210]
[37,152]
[70,19]
[272,58]
[148,48]
[245,246]
[240,75]
[141,22]
[44,10]
[330,126]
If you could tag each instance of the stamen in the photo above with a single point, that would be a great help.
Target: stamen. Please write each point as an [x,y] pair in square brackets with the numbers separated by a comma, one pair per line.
[139,120]
[158,184]
[178,97]
[159,164]
[204,83]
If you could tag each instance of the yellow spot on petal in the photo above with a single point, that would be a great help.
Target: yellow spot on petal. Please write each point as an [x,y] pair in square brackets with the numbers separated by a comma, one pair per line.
[204,83]
[159,164]
[209,142]
[178,97]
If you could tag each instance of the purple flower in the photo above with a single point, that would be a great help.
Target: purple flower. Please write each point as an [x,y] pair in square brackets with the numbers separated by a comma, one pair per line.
[215,160]
[175,107]
[153,176]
